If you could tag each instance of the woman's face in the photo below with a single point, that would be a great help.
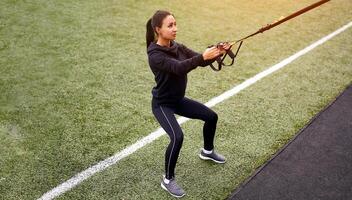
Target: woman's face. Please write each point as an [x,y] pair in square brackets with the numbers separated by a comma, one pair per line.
[168,29]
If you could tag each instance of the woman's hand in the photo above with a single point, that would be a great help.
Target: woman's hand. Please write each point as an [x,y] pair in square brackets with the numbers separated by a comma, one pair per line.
[224,47]
[211,53]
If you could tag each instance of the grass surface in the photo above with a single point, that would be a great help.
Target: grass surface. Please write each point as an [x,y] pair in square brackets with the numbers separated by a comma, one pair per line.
[75,89]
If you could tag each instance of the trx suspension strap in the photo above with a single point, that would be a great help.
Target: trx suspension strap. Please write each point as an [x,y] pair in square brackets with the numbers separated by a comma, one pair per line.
[220,60]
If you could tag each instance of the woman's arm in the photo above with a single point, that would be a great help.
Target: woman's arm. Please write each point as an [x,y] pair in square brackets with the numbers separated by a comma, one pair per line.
[190,53]
[161,62]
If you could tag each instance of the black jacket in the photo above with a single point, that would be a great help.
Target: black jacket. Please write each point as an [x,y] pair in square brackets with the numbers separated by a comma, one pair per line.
[170,66]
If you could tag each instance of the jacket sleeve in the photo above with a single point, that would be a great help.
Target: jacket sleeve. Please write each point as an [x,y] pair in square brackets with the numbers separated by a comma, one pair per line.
[164,63]
[190,53]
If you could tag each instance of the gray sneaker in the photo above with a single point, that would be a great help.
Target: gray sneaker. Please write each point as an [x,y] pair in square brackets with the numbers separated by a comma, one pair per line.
[173,188]
[213,156]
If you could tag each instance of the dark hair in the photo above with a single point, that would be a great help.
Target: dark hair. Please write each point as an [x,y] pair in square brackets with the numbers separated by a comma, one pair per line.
[155,21]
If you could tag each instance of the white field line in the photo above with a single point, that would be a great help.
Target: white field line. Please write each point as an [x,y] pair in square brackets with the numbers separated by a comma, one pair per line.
[102,165]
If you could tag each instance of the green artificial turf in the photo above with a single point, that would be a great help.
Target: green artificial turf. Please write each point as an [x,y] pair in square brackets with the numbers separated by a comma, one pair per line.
[75,88]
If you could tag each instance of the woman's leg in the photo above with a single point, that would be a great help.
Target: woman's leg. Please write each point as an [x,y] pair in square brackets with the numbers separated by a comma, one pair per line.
[167,120]
[195,110]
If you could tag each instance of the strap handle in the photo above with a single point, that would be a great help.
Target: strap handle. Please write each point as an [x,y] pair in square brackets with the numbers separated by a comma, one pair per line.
[220,60]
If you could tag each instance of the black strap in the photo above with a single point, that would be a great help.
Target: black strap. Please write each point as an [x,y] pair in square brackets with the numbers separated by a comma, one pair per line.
[220,59]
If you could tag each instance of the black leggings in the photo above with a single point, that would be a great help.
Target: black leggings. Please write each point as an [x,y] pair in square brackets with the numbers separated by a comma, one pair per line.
[187,108]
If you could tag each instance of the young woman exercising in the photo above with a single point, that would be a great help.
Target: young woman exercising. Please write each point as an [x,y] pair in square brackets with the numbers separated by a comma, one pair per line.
[170,62]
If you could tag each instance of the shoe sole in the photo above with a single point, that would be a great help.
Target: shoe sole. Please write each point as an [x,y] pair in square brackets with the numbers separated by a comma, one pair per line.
[174,195]
[207,158]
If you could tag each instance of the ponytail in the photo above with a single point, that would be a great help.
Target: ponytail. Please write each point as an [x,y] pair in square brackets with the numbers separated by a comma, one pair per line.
[155,21]
[150,36]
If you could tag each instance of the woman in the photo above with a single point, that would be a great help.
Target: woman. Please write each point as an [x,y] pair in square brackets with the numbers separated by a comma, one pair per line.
[170,62]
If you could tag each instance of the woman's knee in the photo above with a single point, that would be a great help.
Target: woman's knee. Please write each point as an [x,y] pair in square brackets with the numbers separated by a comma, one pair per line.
[177,138]
[213,117]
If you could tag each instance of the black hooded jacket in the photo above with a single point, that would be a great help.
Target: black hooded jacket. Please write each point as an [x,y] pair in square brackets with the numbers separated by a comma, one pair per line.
[170,66]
